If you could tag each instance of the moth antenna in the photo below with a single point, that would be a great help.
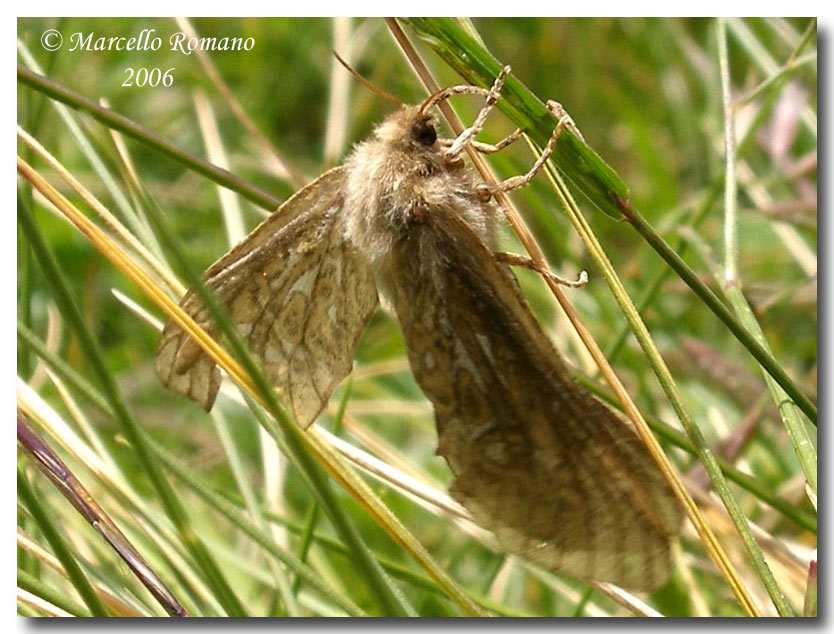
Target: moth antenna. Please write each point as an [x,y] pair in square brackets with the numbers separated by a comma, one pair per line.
[374,89]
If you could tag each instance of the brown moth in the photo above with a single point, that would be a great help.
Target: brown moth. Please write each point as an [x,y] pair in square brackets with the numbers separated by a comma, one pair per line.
[557,476]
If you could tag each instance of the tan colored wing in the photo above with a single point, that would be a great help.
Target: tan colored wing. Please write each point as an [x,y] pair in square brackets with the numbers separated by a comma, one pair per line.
[298,292]
[549,469]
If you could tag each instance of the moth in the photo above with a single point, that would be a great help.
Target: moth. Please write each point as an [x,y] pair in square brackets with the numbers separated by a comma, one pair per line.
[550,470]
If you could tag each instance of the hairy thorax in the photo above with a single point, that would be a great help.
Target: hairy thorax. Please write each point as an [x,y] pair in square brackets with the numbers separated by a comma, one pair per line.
[393,185]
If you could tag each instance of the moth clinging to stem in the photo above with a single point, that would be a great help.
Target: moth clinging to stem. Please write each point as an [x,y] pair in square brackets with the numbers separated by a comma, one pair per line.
[554,473]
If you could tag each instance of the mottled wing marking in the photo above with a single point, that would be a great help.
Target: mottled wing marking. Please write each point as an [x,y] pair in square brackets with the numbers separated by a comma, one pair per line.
[299,294]
[550,470]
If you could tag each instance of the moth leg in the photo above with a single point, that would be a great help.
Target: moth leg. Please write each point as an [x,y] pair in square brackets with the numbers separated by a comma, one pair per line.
[513,259]
[558,111]
[486,148]
[516,182]
[483,148]
[468,135]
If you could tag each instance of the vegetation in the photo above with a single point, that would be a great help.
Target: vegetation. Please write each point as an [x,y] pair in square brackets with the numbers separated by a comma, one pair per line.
[238,512]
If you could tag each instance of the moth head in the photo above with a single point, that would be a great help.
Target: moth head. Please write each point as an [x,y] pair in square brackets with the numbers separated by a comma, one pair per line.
[423,131]
[409,129]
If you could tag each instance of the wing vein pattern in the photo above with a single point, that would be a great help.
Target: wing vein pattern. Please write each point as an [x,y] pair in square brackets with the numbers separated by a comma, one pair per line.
[297,291]
[554,473]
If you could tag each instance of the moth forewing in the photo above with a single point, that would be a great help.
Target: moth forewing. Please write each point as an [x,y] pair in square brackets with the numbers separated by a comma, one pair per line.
[537,460]
[298,292]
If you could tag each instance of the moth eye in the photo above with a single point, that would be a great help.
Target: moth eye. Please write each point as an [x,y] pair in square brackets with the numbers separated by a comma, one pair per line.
[424,133]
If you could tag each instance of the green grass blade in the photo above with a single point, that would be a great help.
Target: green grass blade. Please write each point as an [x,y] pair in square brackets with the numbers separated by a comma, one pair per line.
[759,352]
[731,285]
[101,170]
[58,598]
[587,172]
[262,537]
[391,600]
[578,162]
[135,131]
[60,547]
[175,510]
